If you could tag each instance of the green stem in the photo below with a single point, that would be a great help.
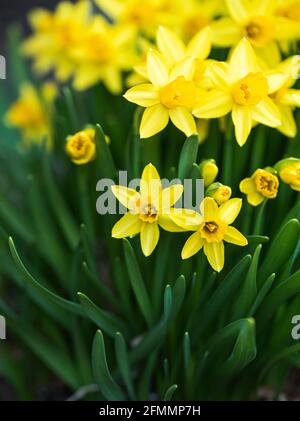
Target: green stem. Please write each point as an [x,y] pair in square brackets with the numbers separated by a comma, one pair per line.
[260,219]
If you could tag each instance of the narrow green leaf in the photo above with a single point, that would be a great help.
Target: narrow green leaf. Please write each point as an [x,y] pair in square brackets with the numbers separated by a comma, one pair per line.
[63,215]
[279,295]
[188,156]
[137,282]
[170,392]
[108,387]
[186,349]
[123,363]
[262,294]
[103,319]
[225,291]
[44,293]
[281,249]
[178,289]
[249,289]
[257,239]
[105,163]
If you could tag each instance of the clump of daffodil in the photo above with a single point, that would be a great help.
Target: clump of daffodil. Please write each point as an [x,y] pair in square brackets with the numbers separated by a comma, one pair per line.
[175,83]
[194,15]
[242,88]
[286,98]
[56,36]
[219,192]
[148,210]
[259,22]
[103,52]
[208,171]
[143,16]
[212,227]
[289,172]
[31,111]
[262,185]
[81,146]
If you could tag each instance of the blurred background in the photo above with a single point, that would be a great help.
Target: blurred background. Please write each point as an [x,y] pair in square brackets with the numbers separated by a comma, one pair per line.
[16,11]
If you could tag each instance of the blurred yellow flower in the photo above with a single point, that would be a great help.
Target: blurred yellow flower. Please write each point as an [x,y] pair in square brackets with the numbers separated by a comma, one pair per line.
[81,146]
[212,228]
[144,16]
[289,172]
[149,209]
[103,52]
[285,98]
[258,21]
[56,36]
[173,91]
[242,88]
[289,9]
[30,113]
[260,186]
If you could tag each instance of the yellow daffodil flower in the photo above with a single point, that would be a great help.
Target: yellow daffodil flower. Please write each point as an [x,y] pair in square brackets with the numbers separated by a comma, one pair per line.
[289,172]
[212,228]
[173,91]
[289,9]
[286,99]
[56,36]
[219,193]
[81,146]
[30,113]
[260,186]
[208,171]
[149,209]
[242,88]
[103,52]
[144,16]
[258,21]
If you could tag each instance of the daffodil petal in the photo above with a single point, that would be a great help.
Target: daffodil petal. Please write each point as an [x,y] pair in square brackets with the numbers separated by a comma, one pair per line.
[166,223]
[150,185]
[229,210]
[266,112]
[209,208]
[235,237]
[187,219]
[276,81]
[185,68]
[291,97]
[225,32]
[128,197]
[200,44]
[288,126]
[213,104]
[241,117]
[243,60]
[171,195]
[157,68]
[218,73]
[154,120]
[247,185]
[130,224]
[145,95]
[286,29]
[215,255]
[239,10]
[149,238]
[182,118]
[170,45]
[255,198]
[193,244]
